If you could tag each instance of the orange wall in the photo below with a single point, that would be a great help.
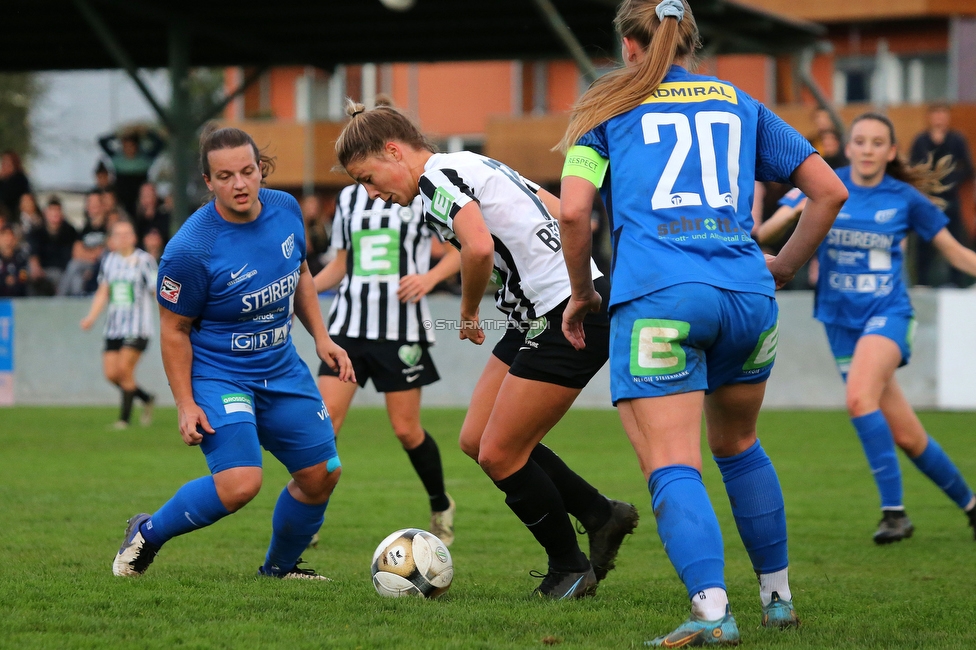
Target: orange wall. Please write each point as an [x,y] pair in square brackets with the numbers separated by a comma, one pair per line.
[750,72]
[459,98]
[854,10]
[283,91]
[564,85]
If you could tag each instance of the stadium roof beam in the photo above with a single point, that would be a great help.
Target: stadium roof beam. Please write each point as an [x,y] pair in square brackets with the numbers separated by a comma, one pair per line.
[178,34]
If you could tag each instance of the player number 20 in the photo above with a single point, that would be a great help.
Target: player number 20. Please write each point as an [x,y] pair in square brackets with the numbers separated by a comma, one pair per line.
[664,196]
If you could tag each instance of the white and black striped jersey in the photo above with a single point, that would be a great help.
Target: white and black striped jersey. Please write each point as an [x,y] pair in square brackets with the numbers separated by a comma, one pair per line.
[384,242]
[528,252]
[131,284]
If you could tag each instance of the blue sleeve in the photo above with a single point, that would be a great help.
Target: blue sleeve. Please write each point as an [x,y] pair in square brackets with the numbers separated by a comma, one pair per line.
[792,198]
[925,219]
[183,280]
[779,148]
[596,139]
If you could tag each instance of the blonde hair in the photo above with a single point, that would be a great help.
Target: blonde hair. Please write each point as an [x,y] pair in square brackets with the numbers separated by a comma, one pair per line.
[367,131]
[625,88]
[924,177]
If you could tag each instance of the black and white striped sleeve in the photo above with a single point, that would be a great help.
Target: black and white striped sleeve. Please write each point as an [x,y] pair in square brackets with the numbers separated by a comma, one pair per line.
[445,193]
[340,223]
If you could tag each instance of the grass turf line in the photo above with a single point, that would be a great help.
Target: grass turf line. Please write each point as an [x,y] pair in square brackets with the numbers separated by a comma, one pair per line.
[67,485]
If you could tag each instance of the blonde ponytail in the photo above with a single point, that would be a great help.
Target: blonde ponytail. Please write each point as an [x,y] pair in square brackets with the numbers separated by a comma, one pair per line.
[665,38]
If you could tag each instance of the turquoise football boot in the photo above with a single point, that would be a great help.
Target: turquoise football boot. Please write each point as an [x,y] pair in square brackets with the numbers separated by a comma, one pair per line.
[695,632]
[779,613]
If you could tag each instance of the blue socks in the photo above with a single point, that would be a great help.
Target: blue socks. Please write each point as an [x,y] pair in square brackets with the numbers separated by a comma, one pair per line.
[879,447]
[758,508]
[688,527]
[934,463]
[194,506]
[293,525]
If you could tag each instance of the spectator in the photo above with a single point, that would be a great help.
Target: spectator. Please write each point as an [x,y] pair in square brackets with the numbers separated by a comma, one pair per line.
[30,218]
[13,181]
[112,206]
[930,147]
[14,276]
[822,122]
[150,215]
[318,233]
[79,278]
[50,249]
[153,244]
[103,178]
[132,154]
[832,149]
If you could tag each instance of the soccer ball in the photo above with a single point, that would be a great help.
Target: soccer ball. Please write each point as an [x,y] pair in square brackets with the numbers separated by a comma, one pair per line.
[412,562]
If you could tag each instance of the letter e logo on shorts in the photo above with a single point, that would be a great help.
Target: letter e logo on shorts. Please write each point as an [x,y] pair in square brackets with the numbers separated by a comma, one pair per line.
[655,347]
[765,352]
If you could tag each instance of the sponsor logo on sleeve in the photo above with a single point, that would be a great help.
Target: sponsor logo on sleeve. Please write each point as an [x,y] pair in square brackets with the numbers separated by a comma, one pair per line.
[169,289]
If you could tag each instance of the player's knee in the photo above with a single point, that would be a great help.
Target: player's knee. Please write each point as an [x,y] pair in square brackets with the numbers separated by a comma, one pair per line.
[859,404]
[409,435]
[493,465]
[470,445]
[236,496]
[321,490]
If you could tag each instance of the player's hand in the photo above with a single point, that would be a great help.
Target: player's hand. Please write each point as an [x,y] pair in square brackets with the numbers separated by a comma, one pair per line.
[471,329]
[336,358]
[576,310]
[781,277]
[192,421]
[413,287]
[87,322]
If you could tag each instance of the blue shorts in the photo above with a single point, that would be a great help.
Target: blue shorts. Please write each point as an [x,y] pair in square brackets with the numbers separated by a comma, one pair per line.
[284,414]
[690,337]
[843,340]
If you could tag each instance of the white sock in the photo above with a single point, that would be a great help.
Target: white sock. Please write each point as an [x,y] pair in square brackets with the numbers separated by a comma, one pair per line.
[778,582]
[971,504]
[710,604]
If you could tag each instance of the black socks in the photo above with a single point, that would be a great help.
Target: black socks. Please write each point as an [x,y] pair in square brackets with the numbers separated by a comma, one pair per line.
[581,499]
[426,461]
[534,499]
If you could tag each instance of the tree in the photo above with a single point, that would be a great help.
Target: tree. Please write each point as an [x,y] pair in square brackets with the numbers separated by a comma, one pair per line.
[17,91]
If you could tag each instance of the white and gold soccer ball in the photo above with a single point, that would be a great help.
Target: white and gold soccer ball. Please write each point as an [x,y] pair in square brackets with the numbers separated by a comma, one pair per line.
[412,562]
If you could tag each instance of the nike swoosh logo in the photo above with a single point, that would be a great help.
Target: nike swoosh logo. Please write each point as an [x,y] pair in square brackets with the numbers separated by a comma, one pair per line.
[412,378]
[573,588]
[233,276]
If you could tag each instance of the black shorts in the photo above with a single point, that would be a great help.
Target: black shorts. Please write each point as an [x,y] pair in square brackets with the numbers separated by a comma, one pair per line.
[392,365]
[545,354]
[114,345]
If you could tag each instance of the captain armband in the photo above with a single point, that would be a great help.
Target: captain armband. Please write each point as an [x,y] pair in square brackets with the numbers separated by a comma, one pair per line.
[586,163]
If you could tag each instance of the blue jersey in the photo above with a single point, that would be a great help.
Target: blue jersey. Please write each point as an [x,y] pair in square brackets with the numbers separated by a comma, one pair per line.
[238,281]
[861,258]
[679,187]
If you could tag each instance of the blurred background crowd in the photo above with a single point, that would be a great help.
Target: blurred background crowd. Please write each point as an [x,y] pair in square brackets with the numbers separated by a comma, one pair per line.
[46,252]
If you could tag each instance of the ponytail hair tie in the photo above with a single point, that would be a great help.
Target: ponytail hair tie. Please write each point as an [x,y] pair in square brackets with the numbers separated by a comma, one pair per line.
[672,8]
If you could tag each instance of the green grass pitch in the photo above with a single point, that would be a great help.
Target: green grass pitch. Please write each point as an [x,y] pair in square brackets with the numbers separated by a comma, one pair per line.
[67,485]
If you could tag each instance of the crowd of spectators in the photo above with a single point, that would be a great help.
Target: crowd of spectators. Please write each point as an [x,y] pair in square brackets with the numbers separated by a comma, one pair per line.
[42,254]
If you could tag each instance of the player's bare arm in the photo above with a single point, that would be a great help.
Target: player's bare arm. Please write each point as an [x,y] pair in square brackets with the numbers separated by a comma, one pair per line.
[576,237]
[825,197]
[477,261]
[307,310]
[415,286]
[332,274]
[174,345]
